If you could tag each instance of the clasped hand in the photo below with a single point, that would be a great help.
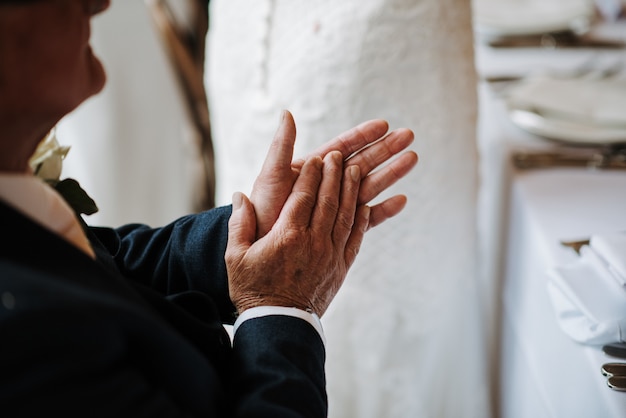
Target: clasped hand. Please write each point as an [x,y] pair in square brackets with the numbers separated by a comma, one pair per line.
[292,243]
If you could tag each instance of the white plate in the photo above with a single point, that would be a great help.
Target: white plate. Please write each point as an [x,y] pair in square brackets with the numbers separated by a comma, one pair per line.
[499,18]
[585,110]
[564,130]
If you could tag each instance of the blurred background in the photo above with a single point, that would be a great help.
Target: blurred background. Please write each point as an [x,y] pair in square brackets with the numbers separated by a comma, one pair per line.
[519,111]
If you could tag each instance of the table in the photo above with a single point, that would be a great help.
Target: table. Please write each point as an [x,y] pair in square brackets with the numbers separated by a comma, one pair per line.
[538,370]
[543,373]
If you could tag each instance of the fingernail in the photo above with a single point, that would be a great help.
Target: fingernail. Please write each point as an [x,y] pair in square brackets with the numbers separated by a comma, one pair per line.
[355,173]
[317,160]
[366,215]
[237,200]
[283,113]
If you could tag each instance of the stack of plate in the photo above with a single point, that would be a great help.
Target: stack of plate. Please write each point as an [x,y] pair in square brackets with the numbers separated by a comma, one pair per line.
[575,110]
[506,18]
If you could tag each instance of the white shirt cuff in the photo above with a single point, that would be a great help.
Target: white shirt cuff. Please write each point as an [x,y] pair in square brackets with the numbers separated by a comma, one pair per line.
[261,311]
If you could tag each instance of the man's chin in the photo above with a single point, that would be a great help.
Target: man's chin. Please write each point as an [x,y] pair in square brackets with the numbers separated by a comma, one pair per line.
[99,76]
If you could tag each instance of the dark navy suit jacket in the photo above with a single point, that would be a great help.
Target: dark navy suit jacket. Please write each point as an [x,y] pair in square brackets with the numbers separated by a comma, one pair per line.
[138,332]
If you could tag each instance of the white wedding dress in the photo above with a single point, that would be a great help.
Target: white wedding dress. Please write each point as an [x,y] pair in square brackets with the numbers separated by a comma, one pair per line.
[405,333]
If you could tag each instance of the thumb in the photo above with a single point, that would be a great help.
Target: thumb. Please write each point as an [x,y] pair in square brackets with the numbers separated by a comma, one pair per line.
[280,153]
[242,223]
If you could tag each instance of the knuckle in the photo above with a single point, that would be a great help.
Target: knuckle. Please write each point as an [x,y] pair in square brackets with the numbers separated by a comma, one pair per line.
[352,251]
[344,221]
[305,198]
[328,204]
[294,241]
[230,258]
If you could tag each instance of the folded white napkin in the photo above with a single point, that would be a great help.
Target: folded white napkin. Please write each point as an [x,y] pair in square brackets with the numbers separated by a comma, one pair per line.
[612,248]
[589,295]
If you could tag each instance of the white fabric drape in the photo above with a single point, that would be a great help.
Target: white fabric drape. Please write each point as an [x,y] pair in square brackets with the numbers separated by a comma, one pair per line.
[132,149]
[405,335]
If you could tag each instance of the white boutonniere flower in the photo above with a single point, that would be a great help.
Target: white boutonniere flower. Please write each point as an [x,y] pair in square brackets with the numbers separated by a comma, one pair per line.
[47,161]
[47,164]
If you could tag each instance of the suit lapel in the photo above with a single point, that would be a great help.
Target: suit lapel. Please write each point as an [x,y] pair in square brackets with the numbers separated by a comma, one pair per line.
[27,243]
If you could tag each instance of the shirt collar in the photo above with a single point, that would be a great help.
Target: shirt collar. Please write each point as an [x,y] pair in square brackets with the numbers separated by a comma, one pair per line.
[40,202]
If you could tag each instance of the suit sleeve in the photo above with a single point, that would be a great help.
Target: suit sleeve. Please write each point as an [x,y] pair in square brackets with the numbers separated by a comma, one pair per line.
[186,255]
[278,369]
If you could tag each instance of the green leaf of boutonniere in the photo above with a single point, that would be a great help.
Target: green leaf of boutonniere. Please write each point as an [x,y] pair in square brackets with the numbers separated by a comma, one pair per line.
[75,196]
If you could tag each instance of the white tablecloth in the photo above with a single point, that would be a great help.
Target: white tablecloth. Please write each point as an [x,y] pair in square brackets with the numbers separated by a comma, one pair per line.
[537,370]
[543,373]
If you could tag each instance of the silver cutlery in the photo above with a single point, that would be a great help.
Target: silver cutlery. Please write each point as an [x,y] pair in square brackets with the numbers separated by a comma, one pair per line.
[611,158]
[565,39]
[615,372]
[613,369]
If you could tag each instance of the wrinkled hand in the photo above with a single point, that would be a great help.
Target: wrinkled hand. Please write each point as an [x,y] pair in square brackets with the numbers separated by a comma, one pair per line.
[367,146]
[304,258]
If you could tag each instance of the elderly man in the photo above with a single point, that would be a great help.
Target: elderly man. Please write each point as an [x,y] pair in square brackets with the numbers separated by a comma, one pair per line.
[128,321]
